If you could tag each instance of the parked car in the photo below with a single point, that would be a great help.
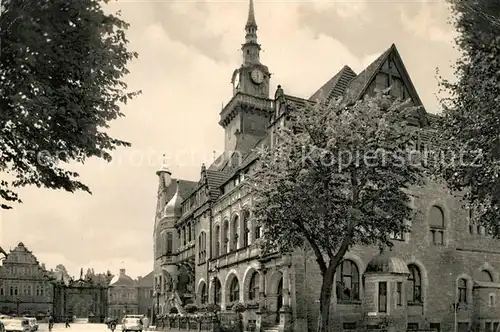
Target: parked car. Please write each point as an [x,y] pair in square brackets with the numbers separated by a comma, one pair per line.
[16,325]
[33,323]
[132,324]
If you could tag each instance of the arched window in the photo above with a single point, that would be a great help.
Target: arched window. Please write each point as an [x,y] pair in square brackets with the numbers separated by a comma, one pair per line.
[347,287]
[414,290]
[485,276]
[253,288]
[202,247]
[203,294]
[436,225]
[234,290]
[217,241]
[163,243]
[217,291]
[462,291]
[225,237]
[235,231]
[246,225]
[258,231]
[170,243]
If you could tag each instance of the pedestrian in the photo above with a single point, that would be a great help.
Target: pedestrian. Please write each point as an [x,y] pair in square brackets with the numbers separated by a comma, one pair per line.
[51,322]
[67,322]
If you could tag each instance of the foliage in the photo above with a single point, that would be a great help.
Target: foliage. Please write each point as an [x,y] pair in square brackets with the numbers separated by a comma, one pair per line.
[60,273]
[61,70]
[213,307]
[198,316]
[191,308]
[469,130]
[173,310]
[337,176]
[239,307]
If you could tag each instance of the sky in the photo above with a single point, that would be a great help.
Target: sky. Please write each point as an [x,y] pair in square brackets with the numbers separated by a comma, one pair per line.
[188,51]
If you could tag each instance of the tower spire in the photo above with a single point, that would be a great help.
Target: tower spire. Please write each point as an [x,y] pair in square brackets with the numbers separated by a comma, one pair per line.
[251,48]
[251,16]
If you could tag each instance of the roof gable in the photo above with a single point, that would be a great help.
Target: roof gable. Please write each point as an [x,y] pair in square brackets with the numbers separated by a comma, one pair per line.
[390,64]
[360,83]
[336,86]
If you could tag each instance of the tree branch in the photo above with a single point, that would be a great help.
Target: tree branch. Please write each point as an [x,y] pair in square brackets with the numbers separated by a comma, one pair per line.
[312,243]
[352,222]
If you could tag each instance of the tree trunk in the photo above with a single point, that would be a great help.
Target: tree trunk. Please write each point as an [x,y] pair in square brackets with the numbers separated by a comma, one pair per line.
[325,298]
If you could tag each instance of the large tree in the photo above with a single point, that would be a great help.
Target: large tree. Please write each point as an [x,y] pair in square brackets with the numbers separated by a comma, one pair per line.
[335,178]
[61,273]
[62,65]
[469,129]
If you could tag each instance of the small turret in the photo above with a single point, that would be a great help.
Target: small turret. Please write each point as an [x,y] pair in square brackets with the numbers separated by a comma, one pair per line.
[174,207]
[164,173]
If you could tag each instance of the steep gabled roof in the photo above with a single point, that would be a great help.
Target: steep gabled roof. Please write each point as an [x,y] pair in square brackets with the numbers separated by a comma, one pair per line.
[360,83]
[215,179]
[358,86]
[336,86]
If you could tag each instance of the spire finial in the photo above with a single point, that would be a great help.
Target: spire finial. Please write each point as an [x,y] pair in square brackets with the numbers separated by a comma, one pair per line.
[164,166]
[251,16]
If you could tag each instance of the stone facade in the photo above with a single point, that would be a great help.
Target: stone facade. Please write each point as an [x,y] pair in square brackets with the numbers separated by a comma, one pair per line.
[80,298]
[145,295]
[25,286]
[204,234]
[123,297]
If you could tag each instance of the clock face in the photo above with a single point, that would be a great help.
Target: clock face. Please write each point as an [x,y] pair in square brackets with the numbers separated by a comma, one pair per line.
[257,76]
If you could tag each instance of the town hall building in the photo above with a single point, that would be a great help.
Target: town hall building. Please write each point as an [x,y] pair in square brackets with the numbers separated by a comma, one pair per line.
[446,271]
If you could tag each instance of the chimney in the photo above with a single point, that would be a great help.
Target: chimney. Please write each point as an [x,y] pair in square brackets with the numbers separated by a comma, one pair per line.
[122,272]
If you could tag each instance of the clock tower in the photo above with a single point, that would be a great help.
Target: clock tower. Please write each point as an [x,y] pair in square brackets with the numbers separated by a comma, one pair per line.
[246,117]
[252,77]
